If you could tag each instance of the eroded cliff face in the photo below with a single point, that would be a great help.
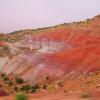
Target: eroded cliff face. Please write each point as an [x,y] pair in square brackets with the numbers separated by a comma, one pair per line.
[54,52]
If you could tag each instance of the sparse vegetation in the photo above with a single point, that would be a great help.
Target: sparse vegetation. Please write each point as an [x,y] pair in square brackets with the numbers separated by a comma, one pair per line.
[20,86]
[28,88]
[19,80]
[33,89]
[15,32]
[84,95]
[52,87]
[25,88]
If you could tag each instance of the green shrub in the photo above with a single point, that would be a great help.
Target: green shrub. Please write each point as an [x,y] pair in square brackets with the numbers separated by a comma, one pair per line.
[34,88]
[19,80]
[16,88]
[5,78]
[21,97]
[2,75]
[25,88]
[84,95]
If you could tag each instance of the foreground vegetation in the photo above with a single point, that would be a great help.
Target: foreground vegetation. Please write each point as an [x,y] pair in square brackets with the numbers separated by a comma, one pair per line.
[17,85]
[21,97]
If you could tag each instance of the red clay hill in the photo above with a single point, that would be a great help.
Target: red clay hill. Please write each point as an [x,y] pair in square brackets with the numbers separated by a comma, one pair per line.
[54,52]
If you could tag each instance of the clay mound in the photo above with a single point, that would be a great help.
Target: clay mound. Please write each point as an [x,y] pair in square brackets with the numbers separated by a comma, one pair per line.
[56,52]
[36,66]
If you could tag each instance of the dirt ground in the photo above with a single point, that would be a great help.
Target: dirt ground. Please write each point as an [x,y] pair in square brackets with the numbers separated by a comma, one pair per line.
[57,96]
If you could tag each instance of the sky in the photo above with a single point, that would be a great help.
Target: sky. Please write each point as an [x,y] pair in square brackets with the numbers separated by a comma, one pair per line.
[30,14]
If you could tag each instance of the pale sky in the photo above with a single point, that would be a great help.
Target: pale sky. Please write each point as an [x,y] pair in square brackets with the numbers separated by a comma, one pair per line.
[27,14]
